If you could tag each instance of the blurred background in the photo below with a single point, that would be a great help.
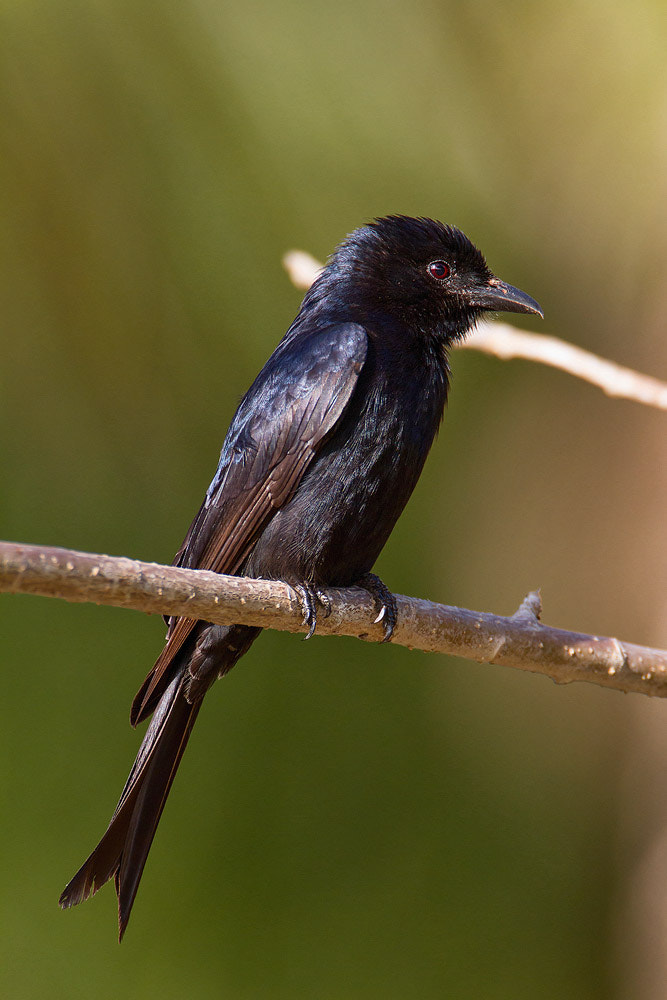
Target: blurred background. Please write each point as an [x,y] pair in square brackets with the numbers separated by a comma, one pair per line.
[349,821]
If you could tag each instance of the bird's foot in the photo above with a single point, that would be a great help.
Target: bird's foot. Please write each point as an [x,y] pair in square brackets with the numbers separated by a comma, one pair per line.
[384,601]
[309,598]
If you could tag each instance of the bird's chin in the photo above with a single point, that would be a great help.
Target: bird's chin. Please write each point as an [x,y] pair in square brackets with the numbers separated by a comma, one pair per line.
[459,326]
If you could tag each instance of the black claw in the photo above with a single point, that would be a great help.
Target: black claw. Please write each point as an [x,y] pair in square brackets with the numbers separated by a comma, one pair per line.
[309,598]
[384,601]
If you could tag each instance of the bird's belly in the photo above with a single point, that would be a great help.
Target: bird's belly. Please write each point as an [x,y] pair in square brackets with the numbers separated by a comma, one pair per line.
[334,527]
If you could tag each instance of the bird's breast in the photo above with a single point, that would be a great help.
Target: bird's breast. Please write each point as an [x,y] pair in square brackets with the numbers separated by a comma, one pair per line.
[333,528]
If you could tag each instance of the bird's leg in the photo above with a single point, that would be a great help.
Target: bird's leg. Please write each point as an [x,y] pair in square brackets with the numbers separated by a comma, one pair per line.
[384,601]
[309,597]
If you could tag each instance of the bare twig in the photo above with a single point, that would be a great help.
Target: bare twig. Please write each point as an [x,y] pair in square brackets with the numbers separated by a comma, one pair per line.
[505,341]
[520,641]
[302,268]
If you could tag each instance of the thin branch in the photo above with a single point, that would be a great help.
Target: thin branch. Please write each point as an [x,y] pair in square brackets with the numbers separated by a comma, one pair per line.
[505,341]
[520,641]
[302,268]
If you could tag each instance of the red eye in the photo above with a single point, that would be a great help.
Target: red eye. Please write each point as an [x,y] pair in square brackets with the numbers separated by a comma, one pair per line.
[439,269]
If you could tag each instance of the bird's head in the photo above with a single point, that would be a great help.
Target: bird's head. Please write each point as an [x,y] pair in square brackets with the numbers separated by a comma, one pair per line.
[427,274]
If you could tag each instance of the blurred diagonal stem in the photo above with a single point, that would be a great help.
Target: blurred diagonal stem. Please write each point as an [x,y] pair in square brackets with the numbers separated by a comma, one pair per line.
[520,641]
[506,341]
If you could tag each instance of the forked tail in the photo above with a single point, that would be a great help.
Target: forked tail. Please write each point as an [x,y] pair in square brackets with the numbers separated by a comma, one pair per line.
[173,691]
[123,849]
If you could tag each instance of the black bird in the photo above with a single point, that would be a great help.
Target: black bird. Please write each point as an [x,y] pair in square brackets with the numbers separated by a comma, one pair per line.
[319,461]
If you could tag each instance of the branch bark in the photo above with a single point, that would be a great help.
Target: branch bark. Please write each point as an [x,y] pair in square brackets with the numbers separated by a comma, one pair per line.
[520,641]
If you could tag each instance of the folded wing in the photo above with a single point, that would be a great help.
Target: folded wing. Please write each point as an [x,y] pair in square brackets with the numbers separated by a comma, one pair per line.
[287,414]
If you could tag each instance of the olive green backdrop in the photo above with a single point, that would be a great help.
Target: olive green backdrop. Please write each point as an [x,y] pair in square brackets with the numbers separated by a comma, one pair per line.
[349,821]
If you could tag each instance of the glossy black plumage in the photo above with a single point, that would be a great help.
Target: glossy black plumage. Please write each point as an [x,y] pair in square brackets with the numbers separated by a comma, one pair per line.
[320,458]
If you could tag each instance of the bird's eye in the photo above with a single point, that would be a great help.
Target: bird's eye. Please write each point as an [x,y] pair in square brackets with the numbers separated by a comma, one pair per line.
[439,269]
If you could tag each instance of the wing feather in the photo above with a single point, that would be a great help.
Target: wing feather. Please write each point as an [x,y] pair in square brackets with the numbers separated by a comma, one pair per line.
[287,414]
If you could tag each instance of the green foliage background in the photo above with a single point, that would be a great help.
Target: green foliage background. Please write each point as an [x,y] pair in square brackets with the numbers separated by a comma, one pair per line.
[349,821]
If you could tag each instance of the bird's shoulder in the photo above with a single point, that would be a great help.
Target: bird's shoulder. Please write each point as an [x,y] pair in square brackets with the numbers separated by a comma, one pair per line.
[291,407]
[310,371]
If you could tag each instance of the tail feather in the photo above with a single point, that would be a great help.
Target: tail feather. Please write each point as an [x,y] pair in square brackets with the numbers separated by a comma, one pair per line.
[123,850]
[183,682]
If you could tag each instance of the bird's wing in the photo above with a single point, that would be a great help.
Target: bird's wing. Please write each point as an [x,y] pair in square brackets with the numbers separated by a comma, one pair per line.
[288,412]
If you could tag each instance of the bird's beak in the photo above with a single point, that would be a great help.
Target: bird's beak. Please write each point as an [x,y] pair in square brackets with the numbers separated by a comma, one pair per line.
[495,295]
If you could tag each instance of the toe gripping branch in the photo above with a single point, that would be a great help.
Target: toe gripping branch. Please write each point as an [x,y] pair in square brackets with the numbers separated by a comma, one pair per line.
[385,602]
[309,598]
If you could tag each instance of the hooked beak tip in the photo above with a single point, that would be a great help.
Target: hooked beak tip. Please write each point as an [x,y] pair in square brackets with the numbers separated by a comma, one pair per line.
[498,296]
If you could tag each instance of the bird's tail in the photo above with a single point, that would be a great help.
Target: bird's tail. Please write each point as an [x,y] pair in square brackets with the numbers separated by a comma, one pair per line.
[123,849]
[175,702]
